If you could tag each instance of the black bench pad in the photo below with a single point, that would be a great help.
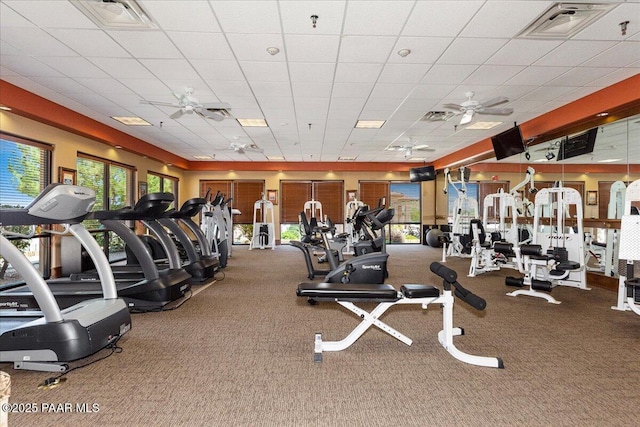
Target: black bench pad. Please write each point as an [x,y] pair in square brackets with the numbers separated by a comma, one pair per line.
[420,291]
[348,292]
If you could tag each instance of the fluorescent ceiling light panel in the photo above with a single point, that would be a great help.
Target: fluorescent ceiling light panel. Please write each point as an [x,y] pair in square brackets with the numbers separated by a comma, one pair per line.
[484,125]
[346,158]
[369,124]
[563,20]
[118,14]
[199,157]
[275,158]
[252,123]
[131,121]
[609,160]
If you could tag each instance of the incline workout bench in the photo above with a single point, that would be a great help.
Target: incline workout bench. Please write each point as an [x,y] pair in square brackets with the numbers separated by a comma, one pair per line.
[387,296]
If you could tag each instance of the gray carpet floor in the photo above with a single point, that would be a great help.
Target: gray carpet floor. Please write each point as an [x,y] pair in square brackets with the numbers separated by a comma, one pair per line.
[240,353]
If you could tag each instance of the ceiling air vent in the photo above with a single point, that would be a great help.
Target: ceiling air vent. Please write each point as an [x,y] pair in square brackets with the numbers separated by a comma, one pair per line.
[116,14]
[563,20]
[437,116]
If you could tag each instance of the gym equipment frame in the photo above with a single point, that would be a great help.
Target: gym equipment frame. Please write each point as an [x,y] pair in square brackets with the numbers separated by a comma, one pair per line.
[387,296]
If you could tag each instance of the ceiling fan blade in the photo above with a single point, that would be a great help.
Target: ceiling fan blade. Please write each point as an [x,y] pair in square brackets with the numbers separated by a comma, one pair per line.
[178,96]
[466,118]
[161,104]
[453,106]
[214,115]
[423,148]
[496,111]
[495,101]
[216,106]
[177,114]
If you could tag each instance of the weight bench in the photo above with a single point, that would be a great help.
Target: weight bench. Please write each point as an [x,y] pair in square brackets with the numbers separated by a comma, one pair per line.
[387,296]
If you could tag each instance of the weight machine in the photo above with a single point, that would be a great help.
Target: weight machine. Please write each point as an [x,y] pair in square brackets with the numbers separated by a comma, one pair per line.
[628,283]
[506,207]
[606,255]
[263,225]
[463,211]
[548,261]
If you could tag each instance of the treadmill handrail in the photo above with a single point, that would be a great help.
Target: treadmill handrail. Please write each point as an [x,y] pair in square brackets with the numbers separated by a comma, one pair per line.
[41,292]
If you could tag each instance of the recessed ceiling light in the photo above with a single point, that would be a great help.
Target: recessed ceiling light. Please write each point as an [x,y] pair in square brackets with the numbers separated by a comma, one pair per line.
[131,121]
[3,108]
[483,125]
[118,146]
[369,124]
[603,114]
[252,122]
[275,158]
[273,50]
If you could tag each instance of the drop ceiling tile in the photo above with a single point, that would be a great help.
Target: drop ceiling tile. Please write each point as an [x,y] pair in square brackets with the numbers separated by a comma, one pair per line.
[424,50]
[448,74]
[574,52]
[146,44]
[535,76]
[491,20]
[358,73]
[248,17]
[296,16]
[170,69]
[432,91]
[522,52]
[178,15]
[607,27]
[348,90]
[580,76]
[35,42]
[53,14]
[202,45]
[403,73]
[10,18]
[85,42]
[316,90]
[253,47]
[376,18]
[75,67]
[365,49]
[228,89]
[440,18]
[122,68]
[616,76]
[29,66]
[311,72]
[546,93]
[470,51]
[391,90]
[493,74]
[266,89]
[265,71]
[311,48]
[620,55]
[347,103]
[214,70]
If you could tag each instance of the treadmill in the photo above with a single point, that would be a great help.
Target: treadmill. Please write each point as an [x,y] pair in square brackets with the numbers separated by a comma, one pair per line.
[147,289]
[47,341]
[201,265]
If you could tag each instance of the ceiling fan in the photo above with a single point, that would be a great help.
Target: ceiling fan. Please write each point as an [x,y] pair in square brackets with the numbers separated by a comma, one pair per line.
[188,104]
[410,148]
[469,107]
[242,148]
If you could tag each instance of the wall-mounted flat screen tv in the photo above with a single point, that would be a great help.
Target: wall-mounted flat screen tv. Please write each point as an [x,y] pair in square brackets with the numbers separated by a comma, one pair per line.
[577,145]
[508,143]
[424,173]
